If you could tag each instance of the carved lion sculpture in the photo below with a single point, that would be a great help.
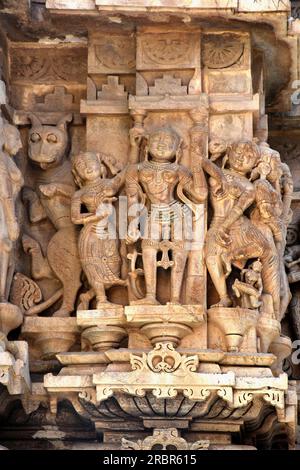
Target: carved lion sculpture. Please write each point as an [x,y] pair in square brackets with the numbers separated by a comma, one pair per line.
[51,198]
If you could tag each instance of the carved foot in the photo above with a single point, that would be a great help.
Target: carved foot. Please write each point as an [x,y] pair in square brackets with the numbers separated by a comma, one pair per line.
[62,313]
[224,302]
[236,291]
[106,304]
[174,302]
[85,298]
[148,300]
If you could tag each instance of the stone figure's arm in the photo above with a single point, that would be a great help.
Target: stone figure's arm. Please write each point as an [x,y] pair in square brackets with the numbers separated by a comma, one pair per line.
[135,136]
[57,189]
[132,186]
[244,201]
[195,186]
[76,216]
[36,211]
[16,177]
[287,189]
[8,204]
[118,181]
[292,255]
[260,286]
[214,171]
[88,217]
[133,193]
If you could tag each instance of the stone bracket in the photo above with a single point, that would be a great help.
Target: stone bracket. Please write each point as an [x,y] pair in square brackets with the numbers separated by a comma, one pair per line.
[14,368]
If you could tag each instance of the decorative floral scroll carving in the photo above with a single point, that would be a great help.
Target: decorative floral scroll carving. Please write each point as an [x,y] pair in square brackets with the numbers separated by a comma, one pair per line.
[170,360]
[165,439]
[25,292]
[274,397]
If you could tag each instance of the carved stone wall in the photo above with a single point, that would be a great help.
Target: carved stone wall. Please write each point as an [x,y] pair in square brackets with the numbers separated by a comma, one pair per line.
[149,252]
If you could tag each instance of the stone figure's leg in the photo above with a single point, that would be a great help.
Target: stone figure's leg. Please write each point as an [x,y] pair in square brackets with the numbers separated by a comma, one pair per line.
[271,277]
[85,298]
[64,260]
[40,268]
[150,269]
[6,247]
[285,293]
[177,272]
[216,270]
[216,267]
[294,310]
[149,255]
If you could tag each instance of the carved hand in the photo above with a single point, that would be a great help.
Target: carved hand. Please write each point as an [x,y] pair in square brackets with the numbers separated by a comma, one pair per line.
[132,236]
[222,237]
[49,190]
[136,135]
[29,195]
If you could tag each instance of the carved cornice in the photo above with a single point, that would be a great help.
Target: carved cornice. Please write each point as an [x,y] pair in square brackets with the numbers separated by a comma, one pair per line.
[165,373]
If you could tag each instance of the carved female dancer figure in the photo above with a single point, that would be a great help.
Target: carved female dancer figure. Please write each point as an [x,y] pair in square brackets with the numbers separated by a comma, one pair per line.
[99,254]
[232,238]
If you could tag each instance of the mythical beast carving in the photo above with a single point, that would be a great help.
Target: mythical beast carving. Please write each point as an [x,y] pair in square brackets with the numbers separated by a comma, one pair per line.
[51,198]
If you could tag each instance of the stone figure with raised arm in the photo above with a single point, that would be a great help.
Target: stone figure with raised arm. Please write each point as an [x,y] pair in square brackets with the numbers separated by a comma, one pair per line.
[232,238]
[162,185]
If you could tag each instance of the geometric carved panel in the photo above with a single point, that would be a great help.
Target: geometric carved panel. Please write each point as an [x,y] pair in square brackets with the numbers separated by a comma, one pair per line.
[167,51]
[111,54]
[221,51]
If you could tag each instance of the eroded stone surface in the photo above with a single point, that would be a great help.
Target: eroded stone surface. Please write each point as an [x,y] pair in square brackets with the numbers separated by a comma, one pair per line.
[149,260]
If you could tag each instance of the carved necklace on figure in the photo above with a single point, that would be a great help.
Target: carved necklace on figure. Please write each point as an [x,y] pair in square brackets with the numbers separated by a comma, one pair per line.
[158,166]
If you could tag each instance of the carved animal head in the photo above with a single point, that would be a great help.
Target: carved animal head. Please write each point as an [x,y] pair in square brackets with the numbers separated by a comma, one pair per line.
[47,145]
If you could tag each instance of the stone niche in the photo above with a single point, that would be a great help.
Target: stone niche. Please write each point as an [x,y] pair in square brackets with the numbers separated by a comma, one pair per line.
[146,282]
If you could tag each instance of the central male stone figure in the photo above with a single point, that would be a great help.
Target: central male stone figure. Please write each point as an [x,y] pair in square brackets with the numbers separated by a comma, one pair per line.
[162,185]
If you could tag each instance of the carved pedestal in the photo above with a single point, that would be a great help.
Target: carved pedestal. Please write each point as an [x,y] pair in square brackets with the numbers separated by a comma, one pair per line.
[10,317]
[48,336]
[168,323]
[234,324]
[102,329]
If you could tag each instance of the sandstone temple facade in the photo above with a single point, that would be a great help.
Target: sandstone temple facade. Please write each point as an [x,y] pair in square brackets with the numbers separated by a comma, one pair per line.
[150,224]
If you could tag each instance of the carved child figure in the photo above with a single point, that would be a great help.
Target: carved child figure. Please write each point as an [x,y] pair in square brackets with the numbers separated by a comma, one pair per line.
[98,250]
[250,288]
[51,198]
[160,183]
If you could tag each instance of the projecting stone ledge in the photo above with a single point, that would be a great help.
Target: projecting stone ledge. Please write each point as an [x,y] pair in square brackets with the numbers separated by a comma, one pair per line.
[14,367]
[143,5]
